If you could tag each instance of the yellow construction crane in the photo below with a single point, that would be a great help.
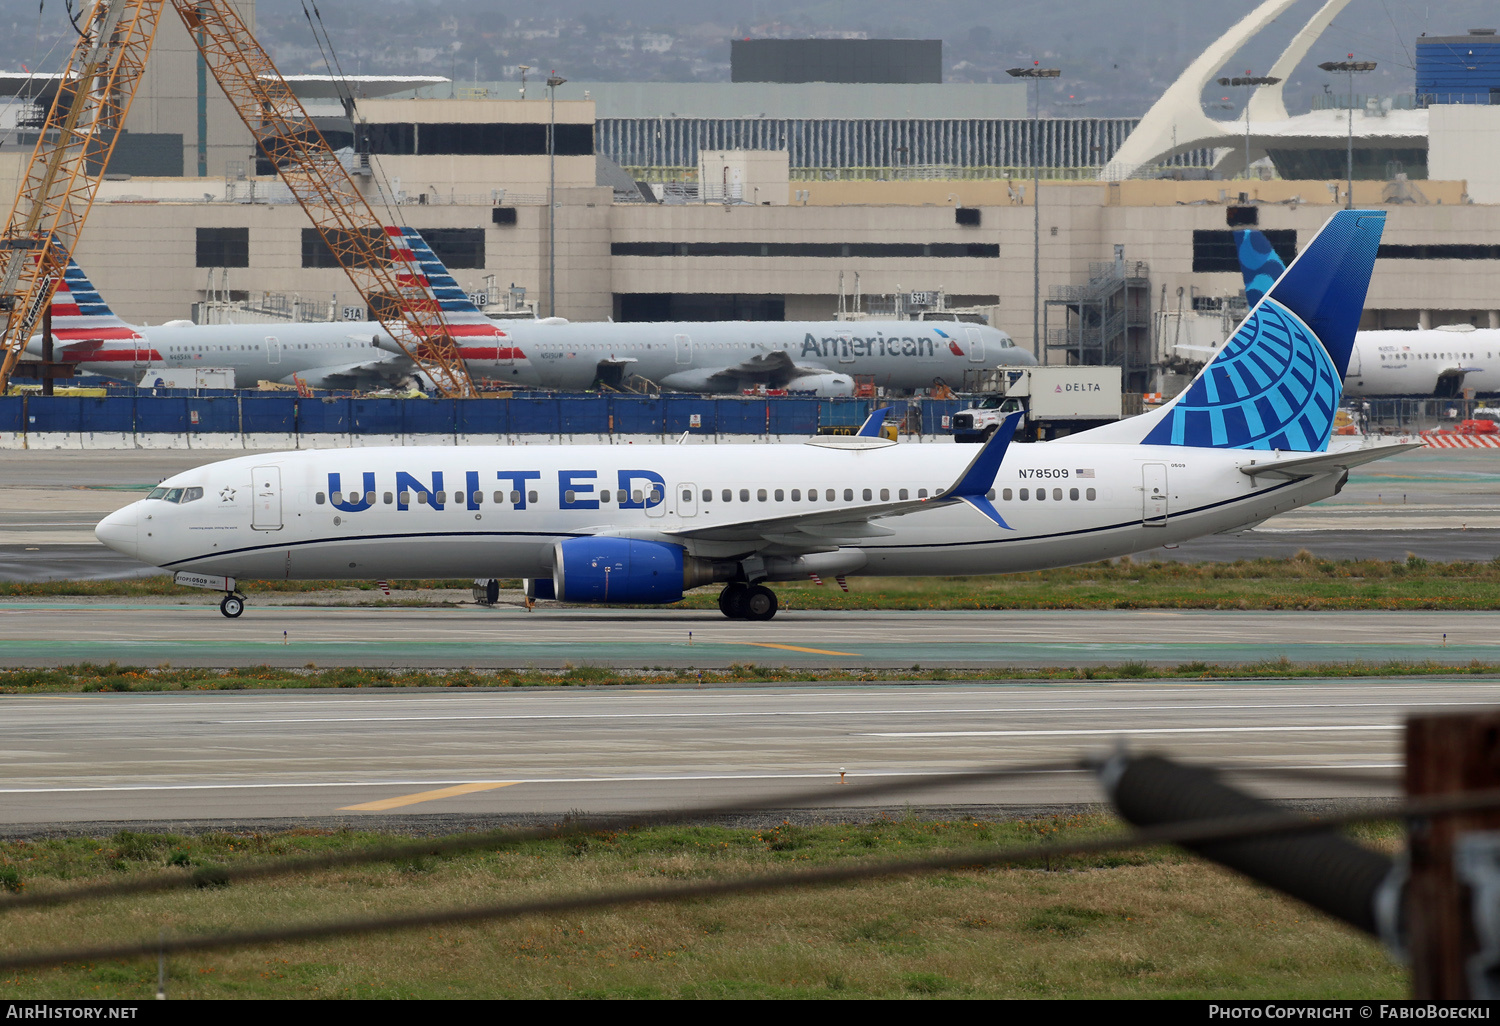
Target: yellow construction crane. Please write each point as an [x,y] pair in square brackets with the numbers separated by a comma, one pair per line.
[84,121]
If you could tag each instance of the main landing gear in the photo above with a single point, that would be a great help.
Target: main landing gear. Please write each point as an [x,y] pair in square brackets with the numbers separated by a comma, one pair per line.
[232,605]
[740,601]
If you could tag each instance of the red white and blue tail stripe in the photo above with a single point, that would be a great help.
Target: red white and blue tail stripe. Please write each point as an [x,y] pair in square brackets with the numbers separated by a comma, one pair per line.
[79,313]
[429,286]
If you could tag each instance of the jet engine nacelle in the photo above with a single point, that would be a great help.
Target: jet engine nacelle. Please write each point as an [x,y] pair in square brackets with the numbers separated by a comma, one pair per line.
[624,570]
[828,385]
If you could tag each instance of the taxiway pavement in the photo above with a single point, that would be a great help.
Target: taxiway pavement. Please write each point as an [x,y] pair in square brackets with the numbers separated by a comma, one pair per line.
[350,757]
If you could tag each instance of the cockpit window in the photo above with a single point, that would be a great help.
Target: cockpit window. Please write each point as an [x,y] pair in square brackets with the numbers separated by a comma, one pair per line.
[190,494]
[174,495]
[157,493]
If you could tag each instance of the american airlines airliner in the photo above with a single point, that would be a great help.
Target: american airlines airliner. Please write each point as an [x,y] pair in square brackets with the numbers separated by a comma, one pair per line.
[640,524]
[822,357]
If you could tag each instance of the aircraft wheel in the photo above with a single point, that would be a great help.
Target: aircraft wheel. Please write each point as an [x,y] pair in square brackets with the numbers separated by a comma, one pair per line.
[732,601]
[760,603]
[232,606]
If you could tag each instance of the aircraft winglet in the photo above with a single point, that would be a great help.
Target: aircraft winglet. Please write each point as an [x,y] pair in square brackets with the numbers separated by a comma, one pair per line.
[978,478]
[873,423]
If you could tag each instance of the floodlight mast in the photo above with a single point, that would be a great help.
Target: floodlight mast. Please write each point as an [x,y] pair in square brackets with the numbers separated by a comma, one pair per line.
[1033,74]
[1350,67]
[1248,79]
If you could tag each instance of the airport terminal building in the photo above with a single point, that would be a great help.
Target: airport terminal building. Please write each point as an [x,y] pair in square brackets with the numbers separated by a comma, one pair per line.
[733,202]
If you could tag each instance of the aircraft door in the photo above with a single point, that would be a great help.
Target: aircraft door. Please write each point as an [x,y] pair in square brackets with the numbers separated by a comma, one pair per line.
[687,499]
[1154,499]
[976,345]
[273,349]
[684,348]
[266,482]
[844,340]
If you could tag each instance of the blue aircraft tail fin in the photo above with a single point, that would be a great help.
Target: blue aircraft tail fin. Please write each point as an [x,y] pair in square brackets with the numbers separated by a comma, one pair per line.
[1277,381]
[1259,263]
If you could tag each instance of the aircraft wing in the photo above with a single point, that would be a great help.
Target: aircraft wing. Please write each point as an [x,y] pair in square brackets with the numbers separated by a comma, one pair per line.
[765,367]
[1324,462]
[378,373]
[849,525]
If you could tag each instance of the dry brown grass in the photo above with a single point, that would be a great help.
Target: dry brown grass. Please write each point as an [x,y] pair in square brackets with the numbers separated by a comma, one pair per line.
[1153,924]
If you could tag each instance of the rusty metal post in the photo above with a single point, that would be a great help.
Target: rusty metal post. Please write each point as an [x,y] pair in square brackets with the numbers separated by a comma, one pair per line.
[1446,754]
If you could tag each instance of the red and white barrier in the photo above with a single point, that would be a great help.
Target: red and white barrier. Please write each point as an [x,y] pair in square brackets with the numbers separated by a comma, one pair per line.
[1441,441]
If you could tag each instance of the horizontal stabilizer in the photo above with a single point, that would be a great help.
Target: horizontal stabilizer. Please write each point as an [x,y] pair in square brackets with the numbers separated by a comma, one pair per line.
[1310,466]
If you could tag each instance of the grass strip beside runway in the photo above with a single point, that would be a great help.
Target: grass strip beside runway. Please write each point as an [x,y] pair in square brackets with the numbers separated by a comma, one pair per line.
[1142,923]
[89,678]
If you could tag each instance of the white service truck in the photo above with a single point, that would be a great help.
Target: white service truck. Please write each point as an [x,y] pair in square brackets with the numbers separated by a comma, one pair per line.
[1054,401]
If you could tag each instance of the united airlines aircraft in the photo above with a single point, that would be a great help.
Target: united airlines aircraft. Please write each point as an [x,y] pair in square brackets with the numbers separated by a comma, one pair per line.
[1441,362]
[643,524]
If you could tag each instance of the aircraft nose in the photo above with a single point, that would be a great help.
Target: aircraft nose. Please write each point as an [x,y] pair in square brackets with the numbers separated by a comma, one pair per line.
[121,530]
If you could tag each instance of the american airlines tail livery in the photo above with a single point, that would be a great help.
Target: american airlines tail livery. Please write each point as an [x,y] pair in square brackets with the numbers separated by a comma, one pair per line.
[642,524]
[1440,362]
[326,354]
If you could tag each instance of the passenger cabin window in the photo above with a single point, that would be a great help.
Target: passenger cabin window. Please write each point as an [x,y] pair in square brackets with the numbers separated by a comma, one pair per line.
[1090,494]
[885,495]
[780,495]
[389,498]
[796,494]
[1025,494]
[867,495]
[319,499]
[1073,494]
[727,495]
[902,494]
[708,495]
[405,498]
[848,495]
[1006,494]
[922,493]
[744,495]
[531,497]
[760,494]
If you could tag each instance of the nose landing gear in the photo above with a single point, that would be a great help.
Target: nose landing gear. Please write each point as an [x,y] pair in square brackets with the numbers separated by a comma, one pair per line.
[232,605]
[740,601]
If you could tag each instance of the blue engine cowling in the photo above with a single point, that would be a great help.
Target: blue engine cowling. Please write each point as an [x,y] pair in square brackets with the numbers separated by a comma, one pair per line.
[617,570]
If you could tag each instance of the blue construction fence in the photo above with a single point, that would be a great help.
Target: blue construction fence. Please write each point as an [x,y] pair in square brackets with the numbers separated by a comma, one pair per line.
[239,413]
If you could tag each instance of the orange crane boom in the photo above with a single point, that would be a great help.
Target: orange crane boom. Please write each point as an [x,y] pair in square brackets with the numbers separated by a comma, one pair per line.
[68,163]
[83,122]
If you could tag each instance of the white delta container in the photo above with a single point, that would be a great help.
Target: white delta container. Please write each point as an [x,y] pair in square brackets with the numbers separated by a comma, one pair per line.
[188,377]
[1054,401]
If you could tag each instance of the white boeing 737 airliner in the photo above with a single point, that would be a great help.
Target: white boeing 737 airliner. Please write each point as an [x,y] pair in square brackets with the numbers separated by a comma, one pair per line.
[642,524]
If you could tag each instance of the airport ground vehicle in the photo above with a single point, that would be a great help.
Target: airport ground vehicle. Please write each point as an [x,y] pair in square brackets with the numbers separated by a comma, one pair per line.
[1052,401]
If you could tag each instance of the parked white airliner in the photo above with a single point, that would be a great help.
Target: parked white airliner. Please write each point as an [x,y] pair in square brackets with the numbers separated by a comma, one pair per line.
[1440,362]
[642,524]
[822,357]
[325,354]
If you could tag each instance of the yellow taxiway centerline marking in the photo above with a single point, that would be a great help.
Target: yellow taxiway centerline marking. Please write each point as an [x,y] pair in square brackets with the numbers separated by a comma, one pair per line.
[794,648]
[427,796]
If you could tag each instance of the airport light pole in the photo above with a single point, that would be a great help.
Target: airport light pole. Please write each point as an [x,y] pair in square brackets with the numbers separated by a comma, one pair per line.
[553,81]
[1034,74]
[524,68]
[1247,79]
[1349,67]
